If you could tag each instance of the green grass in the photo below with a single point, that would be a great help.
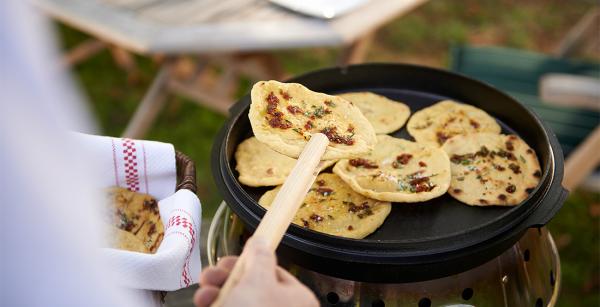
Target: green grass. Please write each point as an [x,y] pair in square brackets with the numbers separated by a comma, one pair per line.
[423,37]
[576,231]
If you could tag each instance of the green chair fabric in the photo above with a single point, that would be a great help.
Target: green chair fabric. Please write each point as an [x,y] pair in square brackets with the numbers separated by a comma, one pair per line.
[518,73]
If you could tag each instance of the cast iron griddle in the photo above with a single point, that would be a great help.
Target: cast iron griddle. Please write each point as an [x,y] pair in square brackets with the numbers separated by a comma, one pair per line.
[438,217]
[415,236]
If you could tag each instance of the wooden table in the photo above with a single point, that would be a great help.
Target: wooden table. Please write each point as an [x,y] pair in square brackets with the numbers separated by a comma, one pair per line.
[235,34]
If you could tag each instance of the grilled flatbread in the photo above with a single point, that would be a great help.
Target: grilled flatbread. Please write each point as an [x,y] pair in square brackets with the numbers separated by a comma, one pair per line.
[491,169]
[284,115]
[398,170]
[445,119]
[127,241]
[151,233]
[259,165]
[384,114]
[333,208]
[137,214]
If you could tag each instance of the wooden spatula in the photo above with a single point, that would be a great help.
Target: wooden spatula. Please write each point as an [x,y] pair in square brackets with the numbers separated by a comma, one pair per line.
[285,205]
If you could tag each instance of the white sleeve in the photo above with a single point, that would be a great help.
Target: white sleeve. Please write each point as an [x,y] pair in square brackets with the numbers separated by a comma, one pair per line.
[49,232]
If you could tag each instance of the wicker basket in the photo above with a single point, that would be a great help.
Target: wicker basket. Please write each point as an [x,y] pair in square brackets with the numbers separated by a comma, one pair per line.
[186,172]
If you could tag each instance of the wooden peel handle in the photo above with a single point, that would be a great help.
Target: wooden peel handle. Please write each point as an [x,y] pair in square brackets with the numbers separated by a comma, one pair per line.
[284,207]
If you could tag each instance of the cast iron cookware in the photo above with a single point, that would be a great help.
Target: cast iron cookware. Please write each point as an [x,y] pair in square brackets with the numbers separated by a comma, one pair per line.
[418,241]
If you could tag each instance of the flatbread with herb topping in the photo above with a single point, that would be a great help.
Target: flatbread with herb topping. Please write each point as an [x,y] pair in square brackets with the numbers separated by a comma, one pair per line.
[333,208]
[443,120]
[491,169]
[259,165]
[284,116]
[384,114]
[398,170]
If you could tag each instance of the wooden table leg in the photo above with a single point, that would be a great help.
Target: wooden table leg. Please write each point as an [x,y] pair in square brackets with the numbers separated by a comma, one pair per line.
[216,91]
[357,51]
[198,81]
[82,52]
[153,102]
[126,61]
[260,66]
[583,29]
[202,96]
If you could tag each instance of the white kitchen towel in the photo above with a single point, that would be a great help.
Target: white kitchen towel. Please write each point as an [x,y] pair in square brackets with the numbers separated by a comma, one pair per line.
[149,167]
[176,263]
[140,166]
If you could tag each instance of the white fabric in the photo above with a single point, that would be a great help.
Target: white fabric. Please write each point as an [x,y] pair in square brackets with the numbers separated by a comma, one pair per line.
[145,298]
[176,263]
[141,166]
[149,167]
[50,229]
[50,232]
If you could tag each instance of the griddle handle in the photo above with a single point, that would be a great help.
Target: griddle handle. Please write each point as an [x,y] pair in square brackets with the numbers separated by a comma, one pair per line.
[542,217]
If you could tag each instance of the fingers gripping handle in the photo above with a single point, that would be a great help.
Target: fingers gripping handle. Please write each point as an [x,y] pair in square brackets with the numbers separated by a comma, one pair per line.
[285,205]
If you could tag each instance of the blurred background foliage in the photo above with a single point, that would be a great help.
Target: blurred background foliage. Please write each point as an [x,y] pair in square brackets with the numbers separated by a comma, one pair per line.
[423,36]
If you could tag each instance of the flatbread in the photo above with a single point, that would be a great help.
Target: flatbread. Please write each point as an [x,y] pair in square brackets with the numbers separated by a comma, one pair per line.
[259,165]
[333,208]
[128,208]
[384,114]
[398,170]
[491,169]
[443,120]
[125,240]
[137,214]
[285,115]
[151,233]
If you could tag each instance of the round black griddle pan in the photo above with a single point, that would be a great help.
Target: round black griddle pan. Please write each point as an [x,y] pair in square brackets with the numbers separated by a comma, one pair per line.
[418,241]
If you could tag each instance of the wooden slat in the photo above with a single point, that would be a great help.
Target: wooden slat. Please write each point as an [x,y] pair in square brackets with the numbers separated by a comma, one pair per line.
[582,161]
[173,12]
[371,16]
[245,12]
[571,91]
[216,102]
[194,12]
[129,4]
[216,9]
[232,10]
[83,51]
[176,26]
[100,20]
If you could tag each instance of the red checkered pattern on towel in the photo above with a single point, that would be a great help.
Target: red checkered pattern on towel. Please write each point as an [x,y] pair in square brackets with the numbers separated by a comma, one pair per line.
[180,221]
[132,177]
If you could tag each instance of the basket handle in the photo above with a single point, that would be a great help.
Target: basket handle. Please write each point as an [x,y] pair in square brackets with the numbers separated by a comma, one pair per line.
[186,172]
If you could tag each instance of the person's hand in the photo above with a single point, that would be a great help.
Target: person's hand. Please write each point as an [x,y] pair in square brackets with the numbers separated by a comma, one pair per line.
[263,283]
